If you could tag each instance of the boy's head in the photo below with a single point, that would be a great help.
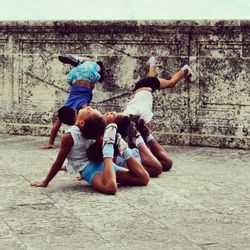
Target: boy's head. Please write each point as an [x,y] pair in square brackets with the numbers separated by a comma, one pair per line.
[67,115]
[102,72]
[91,123]
[120,119]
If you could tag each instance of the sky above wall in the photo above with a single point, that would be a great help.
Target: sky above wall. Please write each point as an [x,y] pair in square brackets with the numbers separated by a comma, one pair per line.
[11,10]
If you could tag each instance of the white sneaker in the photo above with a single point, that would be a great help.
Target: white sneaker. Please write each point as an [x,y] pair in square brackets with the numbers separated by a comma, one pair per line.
[152,61]
[109,134]
[121,144]
[191,74]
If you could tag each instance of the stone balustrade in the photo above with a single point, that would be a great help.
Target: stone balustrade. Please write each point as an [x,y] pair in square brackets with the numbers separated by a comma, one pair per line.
[212,111]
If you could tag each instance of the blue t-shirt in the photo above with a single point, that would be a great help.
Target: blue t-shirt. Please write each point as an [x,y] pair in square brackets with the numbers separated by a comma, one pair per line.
[88,71]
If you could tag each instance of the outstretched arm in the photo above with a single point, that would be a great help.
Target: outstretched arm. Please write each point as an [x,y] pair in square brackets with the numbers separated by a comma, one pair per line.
[164,83]
[66,144]
[53,134]
[186,71]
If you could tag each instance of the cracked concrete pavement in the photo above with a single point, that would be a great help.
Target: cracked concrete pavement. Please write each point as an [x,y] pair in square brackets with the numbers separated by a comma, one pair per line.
[203,203]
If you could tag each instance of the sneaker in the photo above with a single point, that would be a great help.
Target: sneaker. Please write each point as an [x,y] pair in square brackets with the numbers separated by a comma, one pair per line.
[143,129]
[120,144]
[190,73]
[152,61]
[132,133]
[109,134]
[70,59]
[134,118]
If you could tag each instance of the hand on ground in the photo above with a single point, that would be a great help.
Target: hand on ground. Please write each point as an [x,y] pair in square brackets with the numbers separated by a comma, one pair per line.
[49,146]
[38,184]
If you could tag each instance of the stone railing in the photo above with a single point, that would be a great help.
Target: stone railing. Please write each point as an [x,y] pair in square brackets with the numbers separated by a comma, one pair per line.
[212,111]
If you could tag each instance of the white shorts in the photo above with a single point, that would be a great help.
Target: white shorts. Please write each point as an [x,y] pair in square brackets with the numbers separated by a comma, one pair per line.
[141,104]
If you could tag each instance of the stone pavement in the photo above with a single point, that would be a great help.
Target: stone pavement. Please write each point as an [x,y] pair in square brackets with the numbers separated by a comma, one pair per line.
[203,203]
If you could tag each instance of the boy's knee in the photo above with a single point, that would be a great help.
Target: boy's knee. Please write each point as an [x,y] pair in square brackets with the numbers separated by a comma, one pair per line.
[167,164]
[156,172]
[145,180]
[110,188]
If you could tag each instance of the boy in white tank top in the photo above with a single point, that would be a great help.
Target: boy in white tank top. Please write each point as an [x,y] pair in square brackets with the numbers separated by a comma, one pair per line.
[102,176]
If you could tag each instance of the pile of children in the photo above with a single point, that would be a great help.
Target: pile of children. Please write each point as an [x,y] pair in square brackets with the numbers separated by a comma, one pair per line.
[115,147]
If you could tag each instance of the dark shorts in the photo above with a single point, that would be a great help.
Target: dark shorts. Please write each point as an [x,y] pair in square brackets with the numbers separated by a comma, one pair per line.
[151,82]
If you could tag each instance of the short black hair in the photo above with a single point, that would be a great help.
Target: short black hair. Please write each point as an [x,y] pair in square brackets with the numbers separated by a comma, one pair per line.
[67,115]
[94,128]
[102,72]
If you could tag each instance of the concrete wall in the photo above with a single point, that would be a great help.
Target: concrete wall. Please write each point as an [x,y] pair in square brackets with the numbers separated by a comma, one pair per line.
[213,111]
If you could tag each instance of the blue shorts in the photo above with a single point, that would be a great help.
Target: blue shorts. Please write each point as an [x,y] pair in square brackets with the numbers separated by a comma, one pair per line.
[78,96]
[122,163]
[92,169]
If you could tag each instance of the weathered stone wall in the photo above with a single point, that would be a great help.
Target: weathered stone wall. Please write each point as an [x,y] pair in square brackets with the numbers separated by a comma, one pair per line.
[213,111]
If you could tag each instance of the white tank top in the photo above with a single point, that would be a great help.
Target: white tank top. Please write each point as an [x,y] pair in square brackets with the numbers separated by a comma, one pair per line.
[77,158]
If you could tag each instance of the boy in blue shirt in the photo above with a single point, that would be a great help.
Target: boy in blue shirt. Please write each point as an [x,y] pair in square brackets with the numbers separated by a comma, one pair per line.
[81,79]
